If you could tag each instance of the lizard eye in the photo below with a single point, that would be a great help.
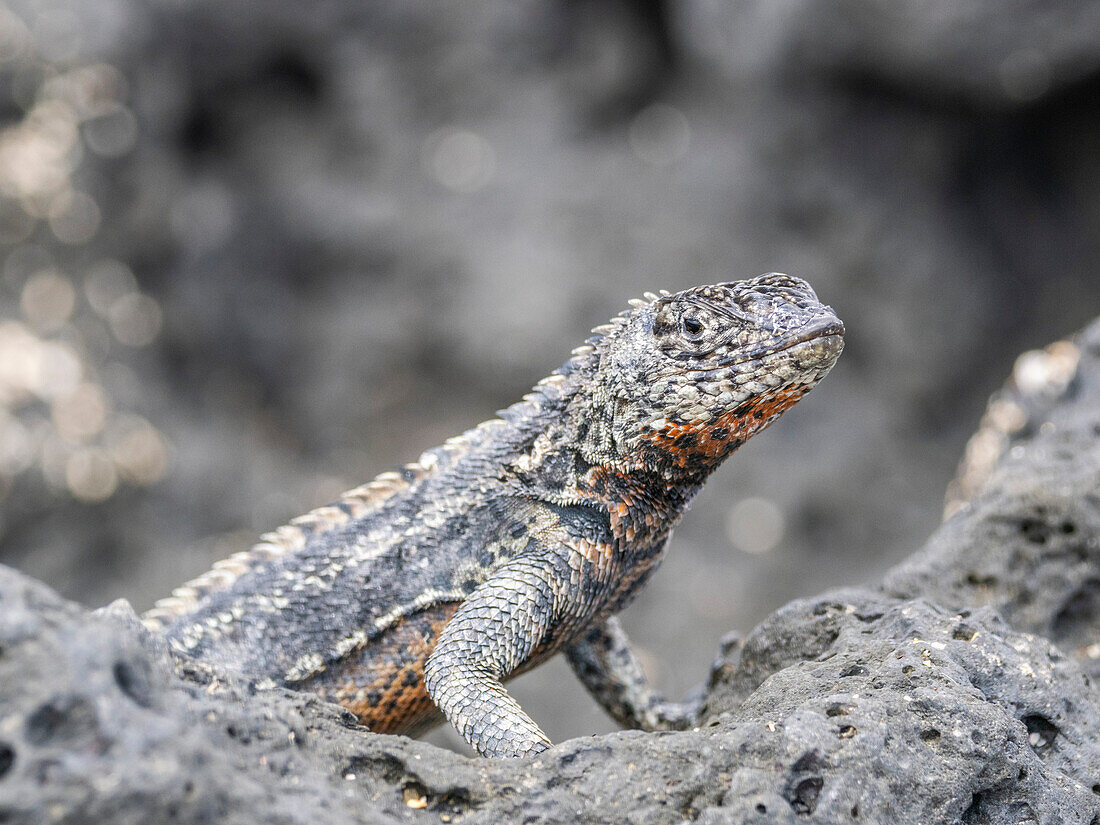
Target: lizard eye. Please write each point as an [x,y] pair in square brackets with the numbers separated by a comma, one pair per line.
[692,327]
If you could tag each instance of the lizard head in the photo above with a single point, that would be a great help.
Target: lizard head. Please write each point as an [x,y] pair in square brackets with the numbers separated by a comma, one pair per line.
[689,377]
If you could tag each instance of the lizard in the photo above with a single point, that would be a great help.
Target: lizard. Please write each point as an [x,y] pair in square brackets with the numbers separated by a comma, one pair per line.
[420,593]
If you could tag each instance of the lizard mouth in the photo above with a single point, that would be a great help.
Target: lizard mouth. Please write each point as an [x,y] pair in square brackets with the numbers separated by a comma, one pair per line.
[826,333]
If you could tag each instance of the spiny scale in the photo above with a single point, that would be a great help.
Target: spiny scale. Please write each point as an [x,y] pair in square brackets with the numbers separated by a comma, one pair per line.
[354,503]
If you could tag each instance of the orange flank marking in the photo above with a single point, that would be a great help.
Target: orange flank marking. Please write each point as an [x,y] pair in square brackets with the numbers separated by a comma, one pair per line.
[385,688]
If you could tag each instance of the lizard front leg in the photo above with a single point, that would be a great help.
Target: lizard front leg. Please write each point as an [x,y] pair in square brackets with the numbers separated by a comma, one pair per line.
[492,634]
[608,668]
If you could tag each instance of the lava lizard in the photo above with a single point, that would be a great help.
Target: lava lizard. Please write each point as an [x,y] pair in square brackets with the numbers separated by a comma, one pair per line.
[424,590]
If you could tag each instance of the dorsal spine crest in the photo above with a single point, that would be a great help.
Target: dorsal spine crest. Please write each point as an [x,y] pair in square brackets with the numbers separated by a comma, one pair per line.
[360,501]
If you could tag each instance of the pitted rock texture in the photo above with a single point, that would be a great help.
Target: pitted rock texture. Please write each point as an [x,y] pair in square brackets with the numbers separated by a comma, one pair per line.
[857,706]
[907,713]
[868,709]
[1029,546]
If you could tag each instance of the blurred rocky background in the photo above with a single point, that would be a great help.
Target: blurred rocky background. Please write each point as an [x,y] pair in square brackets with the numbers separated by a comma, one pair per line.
[253,254]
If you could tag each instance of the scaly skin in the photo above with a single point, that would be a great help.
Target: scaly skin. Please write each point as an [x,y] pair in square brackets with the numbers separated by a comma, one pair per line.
[430,587]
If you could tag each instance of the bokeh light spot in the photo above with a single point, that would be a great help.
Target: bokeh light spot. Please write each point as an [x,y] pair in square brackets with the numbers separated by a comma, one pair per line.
[460,160]
[138,450]
[113,133]
[47,300]
[15,39]
[90,475]
[74,218]
[135,319]
[16,446]
[755,525]
[106,282]
[15,224]
[80,414]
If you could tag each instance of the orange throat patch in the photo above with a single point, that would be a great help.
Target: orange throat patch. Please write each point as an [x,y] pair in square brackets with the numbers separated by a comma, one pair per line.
[705,444]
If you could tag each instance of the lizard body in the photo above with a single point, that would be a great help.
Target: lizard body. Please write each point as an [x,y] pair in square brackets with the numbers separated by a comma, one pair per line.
[431,586]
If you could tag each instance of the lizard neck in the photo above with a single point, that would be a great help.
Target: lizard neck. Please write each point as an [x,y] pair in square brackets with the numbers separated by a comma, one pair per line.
[645,472]
[643,507]
[642,503]
[615,430]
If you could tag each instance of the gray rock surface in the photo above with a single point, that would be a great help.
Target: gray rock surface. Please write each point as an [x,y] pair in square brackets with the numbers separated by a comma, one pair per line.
[1029,544]
[856,706]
